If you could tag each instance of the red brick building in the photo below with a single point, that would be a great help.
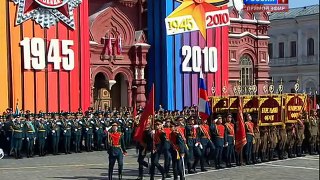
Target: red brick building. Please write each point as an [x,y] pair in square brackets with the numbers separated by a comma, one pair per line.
[119,79]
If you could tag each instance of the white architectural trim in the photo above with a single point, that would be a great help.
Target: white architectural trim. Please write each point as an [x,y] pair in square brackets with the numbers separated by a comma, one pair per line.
[240,20]
[247,33]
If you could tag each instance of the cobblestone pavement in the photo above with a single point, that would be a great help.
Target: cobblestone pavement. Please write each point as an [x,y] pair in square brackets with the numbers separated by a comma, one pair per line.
[93,166]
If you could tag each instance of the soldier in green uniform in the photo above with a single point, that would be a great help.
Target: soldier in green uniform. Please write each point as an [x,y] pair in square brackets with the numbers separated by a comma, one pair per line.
[116,150]
[264,134]
[30,135]
[282,141]
[314,131]
[55,133]
[291,138]
[98,131]
[8,134]
[273,141]
[66,132]
[87,131]
[42,132]
[300,133]
[18,136]
[77,131]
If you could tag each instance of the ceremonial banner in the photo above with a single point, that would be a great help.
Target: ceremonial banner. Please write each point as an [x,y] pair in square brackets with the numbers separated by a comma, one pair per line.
[44,55]
[250,104]
[294,104]
[270,110]
[234,103]
[220,104]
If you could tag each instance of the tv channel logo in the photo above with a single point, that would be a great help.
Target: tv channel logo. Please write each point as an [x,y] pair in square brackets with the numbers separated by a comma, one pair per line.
[261,2]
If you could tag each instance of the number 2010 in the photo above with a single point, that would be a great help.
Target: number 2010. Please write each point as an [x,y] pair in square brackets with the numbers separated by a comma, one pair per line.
[34,54]
[195,55]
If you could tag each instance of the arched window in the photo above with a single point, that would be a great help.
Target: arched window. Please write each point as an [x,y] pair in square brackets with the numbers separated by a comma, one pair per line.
[246,73]
[310,47]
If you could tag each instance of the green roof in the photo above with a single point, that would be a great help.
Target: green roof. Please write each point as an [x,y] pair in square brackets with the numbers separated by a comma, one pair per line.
[295,12]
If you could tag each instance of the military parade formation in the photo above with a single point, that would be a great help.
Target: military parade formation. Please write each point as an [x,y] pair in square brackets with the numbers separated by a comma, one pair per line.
[185,141]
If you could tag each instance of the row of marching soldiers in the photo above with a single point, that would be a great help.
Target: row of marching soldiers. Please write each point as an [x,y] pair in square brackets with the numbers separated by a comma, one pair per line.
[191,144]
[45,133]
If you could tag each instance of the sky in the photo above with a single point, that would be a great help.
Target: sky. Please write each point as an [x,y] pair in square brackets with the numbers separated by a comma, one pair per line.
[302,3]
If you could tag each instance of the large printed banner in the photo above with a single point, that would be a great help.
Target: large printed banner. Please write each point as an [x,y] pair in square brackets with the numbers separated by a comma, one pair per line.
[294,104]
[270,110]
[187,37]
[44,55]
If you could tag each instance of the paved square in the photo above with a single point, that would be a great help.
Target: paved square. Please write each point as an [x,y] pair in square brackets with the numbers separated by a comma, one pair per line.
[93,166]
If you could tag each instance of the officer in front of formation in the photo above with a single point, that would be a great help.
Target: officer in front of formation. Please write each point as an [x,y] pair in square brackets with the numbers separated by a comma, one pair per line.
[116,150]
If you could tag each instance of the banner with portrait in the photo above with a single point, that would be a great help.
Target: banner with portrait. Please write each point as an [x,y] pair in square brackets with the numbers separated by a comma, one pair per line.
[270,110]
[294,105]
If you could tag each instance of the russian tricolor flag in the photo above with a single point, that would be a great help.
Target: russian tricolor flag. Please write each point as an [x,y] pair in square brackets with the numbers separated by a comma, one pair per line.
[203,107]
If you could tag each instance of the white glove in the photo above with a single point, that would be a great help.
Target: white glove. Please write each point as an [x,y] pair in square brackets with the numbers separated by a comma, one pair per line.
[195,126]
[65,131]
[197,144]
[153,132]
[53,131]
[201,146]
[69,123]
[97,128]
[87,129]
[8,138]
[45,137]
[75,129]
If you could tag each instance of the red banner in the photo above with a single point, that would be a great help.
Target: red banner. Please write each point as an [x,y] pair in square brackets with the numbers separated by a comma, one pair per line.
[250,104]
[293,106]
[270,110]
[220,104]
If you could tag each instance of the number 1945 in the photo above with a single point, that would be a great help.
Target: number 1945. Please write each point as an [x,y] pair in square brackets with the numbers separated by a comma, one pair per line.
[35,55]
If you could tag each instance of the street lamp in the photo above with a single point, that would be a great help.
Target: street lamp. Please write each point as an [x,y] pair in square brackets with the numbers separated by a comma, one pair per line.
[271,87]
[265,87]
[280,88]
